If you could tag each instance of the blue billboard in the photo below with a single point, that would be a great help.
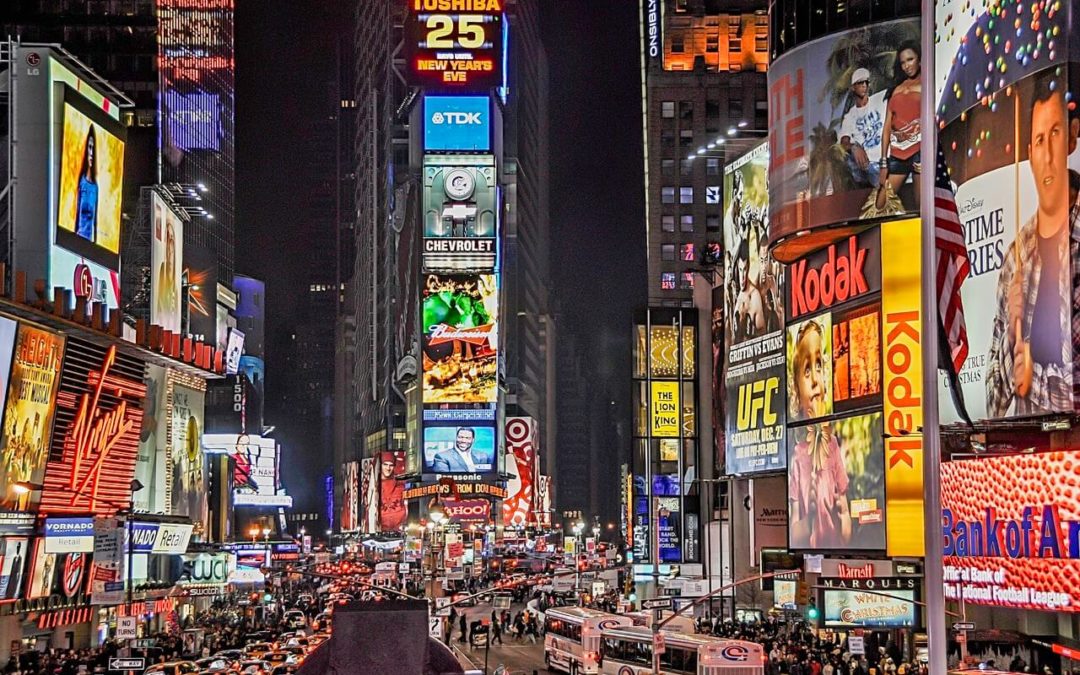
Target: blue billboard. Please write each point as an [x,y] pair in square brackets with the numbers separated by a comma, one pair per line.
[457,123]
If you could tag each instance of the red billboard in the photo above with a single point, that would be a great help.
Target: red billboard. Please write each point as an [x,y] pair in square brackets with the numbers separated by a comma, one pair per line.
[392,510]
[517,508]
[454,45]
[1012,531]
[467,511]
[96,438]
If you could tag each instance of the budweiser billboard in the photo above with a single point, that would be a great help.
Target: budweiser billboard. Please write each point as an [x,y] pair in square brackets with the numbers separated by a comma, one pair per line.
[460,338]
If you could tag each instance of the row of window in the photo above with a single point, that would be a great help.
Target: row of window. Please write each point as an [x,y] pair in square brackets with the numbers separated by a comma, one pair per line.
[687,252]
[673,659]
[686,223]
[668,281]
[735,111]
[686,194]
[686,167]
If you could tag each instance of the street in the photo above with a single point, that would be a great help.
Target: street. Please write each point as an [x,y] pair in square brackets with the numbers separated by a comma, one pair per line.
[517,655]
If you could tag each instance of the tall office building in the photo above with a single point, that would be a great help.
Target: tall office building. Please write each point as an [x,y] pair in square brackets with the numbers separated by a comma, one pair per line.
[704,101]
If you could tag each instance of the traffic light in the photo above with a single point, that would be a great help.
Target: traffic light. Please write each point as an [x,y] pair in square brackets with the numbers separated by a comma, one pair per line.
[812,612]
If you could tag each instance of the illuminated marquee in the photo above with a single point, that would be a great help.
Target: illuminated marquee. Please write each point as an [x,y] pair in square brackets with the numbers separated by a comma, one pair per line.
[96,442]
[461,49]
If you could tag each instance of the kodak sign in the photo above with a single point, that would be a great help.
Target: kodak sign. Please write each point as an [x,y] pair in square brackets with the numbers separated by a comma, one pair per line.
[902,380]
[840,272]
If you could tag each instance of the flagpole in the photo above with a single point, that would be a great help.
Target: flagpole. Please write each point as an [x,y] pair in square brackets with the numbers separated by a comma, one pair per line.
[933,572]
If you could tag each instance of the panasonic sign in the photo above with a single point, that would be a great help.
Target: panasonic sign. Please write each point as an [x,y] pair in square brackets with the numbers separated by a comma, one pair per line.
[457,123]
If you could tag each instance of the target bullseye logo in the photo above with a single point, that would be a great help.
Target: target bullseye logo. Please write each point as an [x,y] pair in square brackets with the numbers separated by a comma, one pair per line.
[517,431]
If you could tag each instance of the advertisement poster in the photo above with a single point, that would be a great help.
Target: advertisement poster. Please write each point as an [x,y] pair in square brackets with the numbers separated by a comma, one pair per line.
[459,441]
[844,103]
[809,368]
[392,510]
[256,479]
[856,609]
[28,410]
[457,123]
[901,310]
[16,552]
[665,417]
[460,338]
[543,499]
[467,511]
[350,497]
[369,495]
[200,283]
[1010,144]
[856,347]
[1012,547]
[669,529]
[520,435]
[166,255]
[752,322]
[836,484]
[769,516]
[91,184]
[461,212]
[42,572]
[151,453]
[189,465]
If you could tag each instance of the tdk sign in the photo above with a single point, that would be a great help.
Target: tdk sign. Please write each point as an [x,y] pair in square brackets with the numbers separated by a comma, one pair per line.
[457,124]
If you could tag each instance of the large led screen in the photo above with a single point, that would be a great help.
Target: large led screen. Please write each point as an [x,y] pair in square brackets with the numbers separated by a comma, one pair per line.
[838,106]
[836,484]
[91,181]
[454,46]
[1010,526]
[457,123]
[461,212]
[1007,112]
[753,323]
[166,255]
[190,470]
[31,390]
[881,609]
[392,509]
[460,338]
[256,478]
[460,441]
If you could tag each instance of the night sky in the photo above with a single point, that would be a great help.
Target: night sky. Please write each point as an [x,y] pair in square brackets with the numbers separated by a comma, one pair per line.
[597,205]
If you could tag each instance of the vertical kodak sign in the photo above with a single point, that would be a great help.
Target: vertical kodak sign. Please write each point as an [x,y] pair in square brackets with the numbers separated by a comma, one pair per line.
[666,419]
[902,326]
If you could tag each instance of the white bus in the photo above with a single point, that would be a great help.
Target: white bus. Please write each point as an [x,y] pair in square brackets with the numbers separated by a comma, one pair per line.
[629,651]
[572,638]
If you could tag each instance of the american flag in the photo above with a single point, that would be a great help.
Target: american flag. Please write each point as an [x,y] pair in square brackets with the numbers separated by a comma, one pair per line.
[952,264]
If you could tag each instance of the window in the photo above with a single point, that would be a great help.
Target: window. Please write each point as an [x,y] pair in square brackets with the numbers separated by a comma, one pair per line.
[712,194]
[735,109]
[667,281]
[667,223]
[667,168]
[712,166]
[686,111]
[686,223]
[686,253]
[667,252]
[712,117]
[686,167]
[712,223]
[686,280]
[686,138]
[735,45]
[667,108]
[677,44]
[712,43]
[667,195]
[667,140]
[686,195]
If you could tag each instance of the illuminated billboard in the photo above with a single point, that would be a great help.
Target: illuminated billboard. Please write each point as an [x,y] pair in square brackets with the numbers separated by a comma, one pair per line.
[90,193]
[454,45]
[1010,526]
[350,497]
[460,338]
[752,342]
[1009,141]
[521,464]
[392,510]
[188,468]
[460,441]
[461,212]
[256,478]
[880,609]
[200,286]
[369,495]
[836,484]
[832,163]
[166,256]
[95,440]
[457,123]
[29,407]
[194,120]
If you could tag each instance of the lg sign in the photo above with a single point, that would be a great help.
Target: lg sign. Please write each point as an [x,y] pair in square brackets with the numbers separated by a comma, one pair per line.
[457,123]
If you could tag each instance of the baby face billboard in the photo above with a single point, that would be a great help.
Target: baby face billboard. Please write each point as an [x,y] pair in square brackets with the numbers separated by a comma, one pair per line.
[460,338]
[847,140]
[836,484]
[1006,105]
[753,322]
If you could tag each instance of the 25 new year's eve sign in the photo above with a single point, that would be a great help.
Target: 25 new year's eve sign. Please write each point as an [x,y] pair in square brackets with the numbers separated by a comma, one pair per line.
[455,44]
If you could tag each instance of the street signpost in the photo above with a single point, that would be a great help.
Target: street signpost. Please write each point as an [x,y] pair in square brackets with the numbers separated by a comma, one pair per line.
[129,664]
[963,625]
[126,629]
[657,603]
